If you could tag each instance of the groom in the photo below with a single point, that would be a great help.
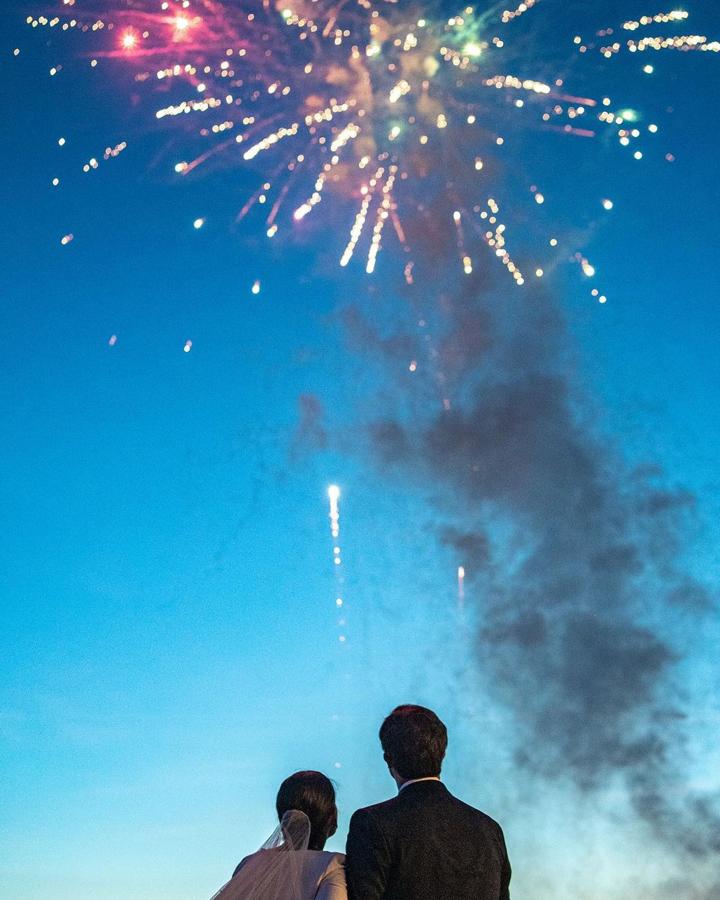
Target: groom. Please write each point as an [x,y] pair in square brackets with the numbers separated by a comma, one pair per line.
[423,844]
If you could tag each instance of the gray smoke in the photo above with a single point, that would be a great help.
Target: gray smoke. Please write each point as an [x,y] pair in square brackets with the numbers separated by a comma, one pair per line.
[575,557]
[310,431]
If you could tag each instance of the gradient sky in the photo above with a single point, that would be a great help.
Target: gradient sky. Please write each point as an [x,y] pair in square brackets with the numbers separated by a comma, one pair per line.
[169,634]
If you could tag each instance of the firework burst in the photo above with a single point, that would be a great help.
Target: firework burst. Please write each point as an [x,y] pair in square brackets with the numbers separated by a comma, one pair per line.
[382,106]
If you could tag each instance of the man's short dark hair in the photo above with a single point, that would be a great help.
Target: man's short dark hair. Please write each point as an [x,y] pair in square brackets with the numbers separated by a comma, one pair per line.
[414,741]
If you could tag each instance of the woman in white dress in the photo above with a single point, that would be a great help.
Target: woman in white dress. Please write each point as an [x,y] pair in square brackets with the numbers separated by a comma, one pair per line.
[291,864]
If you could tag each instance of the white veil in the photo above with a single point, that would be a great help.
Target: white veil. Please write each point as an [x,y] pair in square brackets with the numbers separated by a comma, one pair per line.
[275,872]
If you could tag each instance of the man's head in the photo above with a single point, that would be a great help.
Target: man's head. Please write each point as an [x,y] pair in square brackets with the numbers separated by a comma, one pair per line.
[414,741]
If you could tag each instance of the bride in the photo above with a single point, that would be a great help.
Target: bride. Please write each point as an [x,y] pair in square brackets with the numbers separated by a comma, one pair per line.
[291,864]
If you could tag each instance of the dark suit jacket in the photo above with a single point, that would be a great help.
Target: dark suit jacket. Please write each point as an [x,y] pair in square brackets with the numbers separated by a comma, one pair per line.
[426,844]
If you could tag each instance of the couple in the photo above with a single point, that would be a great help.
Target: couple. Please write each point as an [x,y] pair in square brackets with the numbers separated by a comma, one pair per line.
[423,844]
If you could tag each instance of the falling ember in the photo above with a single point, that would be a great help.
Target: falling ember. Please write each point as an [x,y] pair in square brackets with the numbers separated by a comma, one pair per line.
[461,584]
[334,515]
[66,238]
[188,346]
[113,340]
[198,224]
[587,267]
[334,497]
[255,289]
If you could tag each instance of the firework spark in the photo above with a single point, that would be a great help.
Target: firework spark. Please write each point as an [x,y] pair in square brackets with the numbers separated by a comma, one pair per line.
[384,106]
[334,497]
[334,515]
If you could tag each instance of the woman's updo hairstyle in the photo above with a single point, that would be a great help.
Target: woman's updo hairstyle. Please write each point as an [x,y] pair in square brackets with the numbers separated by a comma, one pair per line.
[314,794]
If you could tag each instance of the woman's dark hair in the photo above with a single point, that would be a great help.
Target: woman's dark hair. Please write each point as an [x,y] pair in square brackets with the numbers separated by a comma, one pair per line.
[312,793]
[414,741]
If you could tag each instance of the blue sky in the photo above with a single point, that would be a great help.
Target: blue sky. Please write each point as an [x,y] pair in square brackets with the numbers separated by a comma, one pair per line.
[169,631]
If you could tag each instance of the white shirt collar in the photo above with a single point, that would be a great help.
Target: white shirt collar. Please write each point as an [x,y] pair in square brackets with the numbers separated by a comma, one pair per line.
[416,780]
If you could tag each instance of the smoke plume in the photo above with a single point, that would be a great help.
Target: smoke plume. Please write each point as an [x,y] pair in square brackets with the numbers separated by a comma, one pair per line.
[574,557]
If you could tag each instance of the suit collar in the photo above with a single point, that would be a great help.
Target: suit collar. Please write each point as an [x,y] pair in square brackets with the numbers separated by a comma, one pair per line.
[420,788]
[410,781]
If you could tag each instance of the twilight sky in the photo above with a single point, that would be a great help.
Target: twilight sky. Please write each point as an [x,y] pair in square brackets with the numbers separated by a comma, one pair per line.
[169,632]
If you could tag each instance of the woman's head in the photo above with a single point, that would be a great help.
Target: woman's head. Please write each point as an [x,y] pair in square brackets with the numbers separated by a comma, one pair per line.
[312,793]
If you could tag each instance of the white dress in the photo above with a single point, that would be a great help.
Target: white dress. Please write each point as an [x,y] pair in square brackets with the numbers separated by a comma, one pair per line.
[321,874]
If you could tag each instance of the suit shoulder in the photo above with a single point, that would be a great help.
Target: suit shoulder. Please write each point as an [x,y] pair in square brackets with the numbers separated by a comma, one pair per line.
[480,817]
[376,811]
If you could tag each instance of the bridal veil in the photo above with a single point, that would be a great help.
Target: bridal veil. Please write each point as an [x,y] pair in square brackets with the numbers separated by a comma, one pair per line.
[275,872]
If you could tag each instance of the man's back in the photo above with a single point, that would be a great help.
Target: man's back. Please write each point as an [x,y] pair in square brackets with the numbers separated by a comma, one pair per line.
[426,844]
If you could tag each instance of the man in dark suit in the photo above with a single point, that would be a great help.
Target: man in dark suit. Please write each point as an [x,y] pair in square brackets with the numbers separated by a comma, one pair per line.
[423,844]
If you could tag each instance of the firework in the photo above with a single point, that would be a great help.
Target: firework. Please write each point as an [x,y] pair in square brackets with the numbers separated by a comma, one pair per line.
[380,106]
[334,516]
[334,497]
